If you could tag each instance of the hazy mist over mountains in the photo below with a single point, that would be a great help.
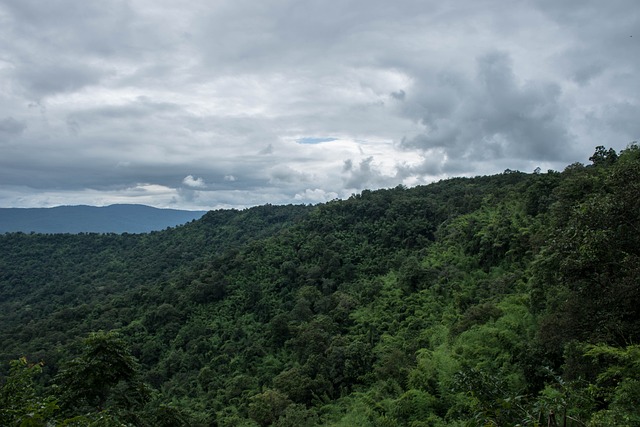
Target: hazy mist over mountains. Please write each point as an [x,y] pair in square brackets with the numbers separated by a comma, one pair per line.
[92,219]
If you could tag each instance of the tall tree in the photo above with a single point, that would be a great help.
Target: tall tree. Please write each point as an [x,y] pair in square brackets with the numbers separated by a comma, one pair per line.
[104,377]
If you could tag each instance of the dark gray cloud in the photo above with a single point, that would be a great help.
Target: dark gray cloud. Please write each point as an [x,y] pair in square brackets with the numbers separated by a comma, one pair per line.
[491,116]
[41,80]
[74,28]
[10,126]
[365,174]
[399,95]
[205,104]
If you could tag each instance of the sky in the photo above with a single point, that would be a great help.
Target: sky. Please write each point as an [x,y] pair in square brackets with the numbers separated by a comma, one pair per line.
[209,104]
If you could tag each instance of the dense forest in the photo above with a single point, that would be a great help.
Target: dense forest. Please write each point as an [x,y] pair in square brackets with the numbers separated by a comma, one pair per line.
[502,300]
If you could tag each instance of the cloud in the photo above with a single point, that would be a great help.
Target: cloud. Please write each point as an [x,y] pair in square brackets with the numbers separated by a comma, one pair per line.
[190,181]
[139,193]
[315,140]
[267,150]
[11,126]
[365,174]
[399,95]
[314,196]
[490,116]
[262,103]
[40,80]
[283,174]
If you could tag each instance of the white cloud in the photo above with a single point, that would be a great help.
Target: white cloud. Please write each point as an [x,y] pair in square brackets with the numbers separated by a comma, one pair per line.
[190,181]
[147,194]
[315,195]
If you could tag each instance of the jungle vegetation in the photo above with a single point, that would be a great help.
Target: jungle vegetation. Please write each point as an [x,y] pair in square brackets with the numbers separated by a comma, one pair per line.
[499,300]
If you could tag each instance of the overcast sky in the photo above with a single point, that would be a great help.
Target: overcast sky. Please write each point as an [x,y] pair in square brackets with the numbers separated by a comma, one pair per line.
[204,104]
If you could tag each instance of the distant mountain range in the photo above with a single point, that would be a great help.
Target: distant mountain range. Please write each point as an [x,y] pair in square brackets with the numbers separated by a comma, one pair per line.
[92,219]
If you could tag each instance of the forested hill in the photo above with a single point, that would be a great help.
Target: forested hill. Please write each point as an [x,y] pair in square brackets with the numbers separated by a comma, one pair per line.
[502,300]
[93,219]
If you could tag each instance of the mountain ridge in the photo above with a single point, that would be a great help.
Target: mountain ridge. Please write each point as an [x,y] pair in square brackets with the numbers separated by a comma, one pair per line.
[116,218]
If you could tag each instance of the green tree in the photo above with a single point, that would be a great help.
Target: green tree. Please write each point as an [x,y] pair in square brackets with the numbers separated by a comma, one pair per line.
[603,157]
[104,376]
[265,408]
[20,405]
[618,385]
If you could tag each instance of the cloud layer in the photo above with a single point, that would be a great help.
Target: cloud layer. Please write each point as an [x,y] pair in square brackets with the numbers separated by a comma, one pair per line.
[234,103]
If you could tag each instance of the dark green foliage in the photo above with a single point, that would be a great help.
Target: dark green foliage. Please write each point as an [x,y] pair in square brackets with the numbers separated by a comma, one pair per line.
[105,375]
[20,404]
[267,407]
[594,257]
[498,300]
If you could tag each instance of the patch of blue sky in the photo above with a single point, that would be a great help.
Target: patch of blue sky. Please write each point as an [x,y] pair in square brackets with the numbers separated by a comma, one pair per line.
[314,140]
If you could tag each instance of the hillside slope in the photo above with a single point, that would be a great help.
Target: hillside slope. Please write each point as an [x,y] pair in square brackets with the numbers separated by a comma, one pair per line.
[499,300]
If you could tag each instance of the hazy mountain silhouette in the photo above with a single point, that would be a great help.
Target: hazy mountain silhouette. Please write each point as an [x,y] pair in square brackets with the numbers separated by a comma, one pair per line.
[92,219]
